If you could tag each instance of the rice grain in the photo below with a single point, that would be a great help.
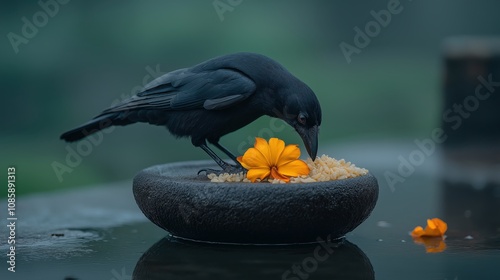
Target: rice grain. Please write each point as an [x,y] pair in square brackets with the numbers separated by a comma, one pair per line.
[323,169]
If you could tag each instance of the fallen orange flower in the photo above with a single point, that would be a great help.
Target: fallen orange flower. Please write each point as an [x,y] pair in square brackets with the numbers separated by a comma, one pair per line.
[273,160]
[435,227]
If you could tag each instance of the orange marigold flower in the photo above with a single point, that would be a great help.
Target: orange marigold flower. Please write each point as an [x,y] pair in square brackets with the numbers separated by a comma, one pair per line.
[435,227]
[272,159]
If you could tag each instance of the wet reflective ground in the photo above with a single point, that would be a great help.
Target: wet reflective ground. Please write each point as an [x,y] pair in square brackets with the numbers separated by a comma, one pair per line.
[99,233]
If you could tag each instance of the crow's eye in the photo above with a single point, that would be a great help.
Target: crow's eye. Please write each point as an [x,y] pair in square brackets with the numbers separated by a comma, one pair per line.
[301,118]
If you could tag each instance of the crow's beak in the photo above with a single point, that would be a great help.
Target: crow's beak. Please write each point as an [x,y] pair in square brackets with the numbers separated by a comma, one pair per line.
[310,138]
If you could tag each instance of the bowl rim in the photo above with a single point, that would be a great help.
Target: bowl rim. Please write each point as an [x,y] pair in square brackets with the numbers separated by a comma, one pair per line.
[160,171]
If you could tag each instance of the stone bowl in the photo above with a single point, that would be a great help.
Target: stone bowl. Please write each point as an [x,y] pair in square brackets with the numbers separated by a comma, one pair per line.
[191,207]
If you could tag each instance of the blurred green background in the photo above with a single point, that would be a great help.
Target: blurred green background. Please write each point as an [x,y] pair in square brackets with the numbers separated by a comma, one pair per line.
[89,54]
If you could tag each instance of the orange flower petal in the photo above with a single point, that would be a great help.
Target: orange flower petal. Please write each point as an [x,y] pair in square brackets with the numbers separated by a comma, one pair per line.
[258,173]
[276,175]
[243,163]
[294,168]
[290,153]
[432,228]
[431,233]
[262,146]
[418,231]
[440,225]
[430,224]
[276,147]
[253,158]
[435,227]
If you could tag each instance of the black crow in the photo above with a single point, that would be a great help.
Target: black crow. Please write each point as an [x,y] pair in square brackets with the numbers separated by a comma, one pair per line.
[214,98]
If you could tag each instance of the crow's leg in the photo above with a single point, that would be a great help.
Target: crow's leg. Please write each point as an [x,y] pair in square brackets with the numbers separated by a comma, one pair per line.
[228,153]
[226,167]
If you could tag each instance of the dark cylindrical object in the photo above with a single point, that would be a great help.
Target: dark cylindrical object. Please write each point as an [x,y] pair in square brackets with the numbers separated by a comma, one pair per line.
[470,193]
[471,113]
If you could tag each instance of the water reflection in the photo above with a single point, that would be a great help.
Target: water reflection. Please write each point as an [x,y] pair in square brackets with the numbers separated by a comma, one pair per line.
[174,259]
[432,244]
[473,214]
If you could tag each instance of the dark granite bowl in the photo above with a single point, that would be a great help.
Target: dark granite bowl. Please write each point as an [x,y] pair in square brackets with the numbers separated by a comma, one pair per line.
[189,206]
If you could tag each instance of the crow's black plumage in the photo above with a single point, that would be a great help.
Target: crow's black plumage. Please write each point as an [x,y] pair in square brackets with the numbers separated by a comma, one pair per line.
[214,98]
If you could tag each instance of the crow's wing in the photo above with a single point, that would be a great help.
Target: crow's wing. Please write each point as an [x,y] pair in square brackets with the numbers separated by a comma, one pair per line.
[184,89]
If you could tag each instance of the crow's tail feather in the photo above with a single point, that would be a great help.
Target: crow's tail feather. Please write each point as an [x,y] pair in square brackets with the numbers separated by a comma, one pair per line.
[96,124]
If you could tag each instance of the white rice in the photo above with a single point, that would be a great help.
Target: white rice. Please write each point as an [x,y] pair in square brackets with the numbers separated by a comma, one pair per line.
[324,168]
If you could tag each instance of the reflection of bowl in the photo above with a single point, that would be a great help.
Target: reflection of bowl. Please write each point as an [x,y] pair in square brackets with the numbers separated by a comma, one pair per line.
[171,259]
[190,206]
